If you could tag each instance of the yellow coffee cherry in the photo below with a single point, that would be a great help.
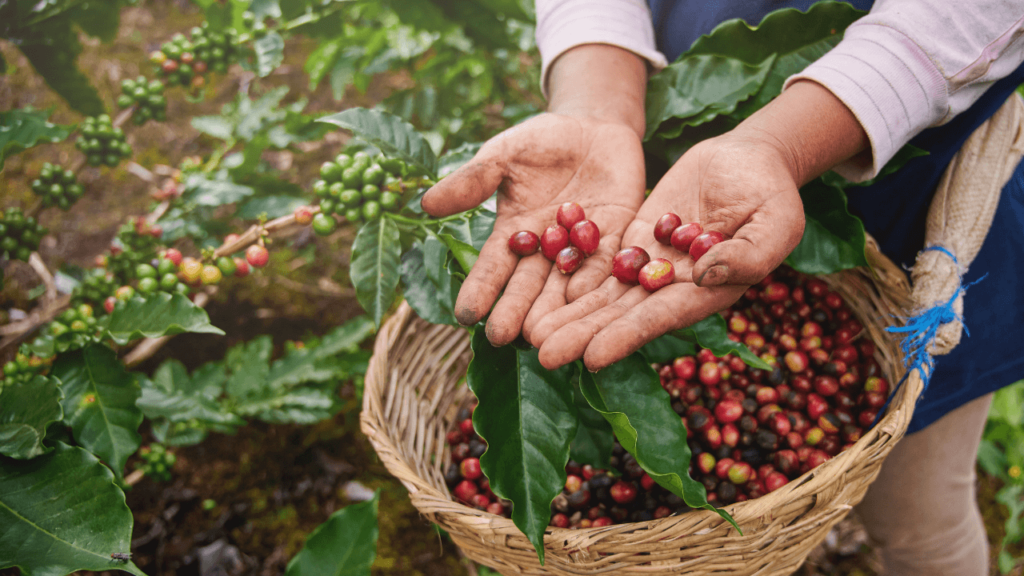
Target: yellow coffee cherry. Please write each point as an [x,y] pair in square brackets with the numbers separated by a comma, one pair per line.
[190,270]
[210,274]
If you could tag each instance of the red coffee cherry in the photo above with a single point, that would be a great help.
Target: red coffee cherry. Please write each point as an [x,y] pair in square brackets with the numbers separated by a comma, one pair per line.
[665,226]
[569,260]
[683,236]
[523,243]
[303,215]
[569,214]
[560,520]
[585,236]
[627,263]
[553,240]
[701,244]
[623,492]
[656,274]
[257,255]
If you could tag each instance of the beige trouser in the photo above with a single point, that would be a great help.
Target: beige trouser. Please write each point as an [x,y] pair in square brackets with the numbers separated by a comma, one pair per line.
[923,510]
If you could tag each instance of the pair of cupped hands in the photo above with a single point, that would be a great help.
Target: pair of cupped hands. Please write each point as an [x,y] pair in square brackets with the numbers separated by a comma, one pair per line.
[740,184]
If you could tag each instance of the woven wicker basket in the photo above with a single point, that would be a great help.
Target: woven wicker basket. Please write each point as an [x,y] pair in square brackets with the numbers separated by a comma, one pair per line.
[415,385]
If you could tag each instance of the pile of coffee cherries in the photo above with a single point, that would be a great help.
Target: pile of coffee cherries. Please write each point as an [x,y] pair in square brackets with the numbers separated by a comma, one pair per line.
[57,186]
[566,243]
[751,431]
[634,265]
[463,476]
[101,142]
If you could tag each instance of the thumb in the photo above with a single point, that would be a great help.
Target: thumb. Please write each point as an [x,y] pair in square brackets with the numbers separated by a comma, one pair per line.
[757,248]
[469,186]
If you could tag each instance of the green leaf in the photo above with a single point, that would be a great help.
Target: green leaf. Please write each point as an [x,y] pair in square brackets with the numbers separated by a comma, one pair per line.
[54,56]
[395,137]
[629,395]
[473,229]
[527,417]
[713,334]
[376,255]
[272,206]
[269,53]
[454,159]
[265,9]
[99,404]
[171,394]
[61,512]
[24,128]
[667,348]
[345,338]
[594,440]
[344,545]
[321,60]
[464,253]
[249,364]
[833,238]
[160,314]
[696,89]
[217,126]
[432,302]
[204,192]
[26,409]
[795,38]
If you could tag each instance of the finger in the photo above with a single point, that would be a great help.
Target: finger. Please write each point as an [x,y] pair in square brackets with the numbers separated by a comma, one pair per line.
[757,248]
[596,268]
[587,304]
[569,342]
[526,284]
[675,306]
[468,186]
[489,275]
[551,298]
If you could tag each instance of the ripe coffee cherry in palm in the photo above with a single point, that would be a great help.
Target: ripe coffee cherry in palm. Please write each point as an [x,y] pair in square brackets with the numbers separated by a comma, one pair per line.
[628,262]
[569,260]
[683,236]
[656,274]
[257,255]
[585,236]
[569,214]
[553,240]
[701,244]
[523,243]
[665,226]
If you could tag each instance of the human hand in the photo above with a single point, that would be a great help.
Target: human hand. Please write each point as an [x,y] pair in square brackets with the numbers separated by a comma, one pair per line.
[741,185]
[535,167]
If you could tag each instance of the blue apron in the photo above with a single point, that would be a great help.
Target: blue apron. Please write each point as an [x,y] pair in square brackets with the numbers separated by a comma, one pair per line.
[894,211]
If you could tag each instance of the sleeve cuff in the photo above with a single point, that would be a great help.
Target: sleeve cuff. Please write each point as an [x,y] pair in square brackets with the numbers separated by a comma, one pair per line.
[570,23]
[889,83]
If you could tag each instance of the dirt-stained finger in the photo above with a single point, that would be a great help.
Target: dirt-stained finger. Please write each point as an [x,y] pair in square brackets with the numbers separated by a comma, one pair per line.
[526,284]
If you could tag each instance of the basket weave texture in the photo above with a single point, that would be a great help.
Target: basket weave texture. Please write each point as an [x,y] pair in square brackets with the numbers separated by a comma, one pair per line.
[415,385]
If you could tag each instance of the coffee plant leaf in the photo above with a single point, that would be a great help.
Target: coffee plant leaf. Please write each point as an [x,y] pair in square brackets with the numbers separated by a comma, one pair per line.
[594,439]
[265,9]
[395,137]
[629,395]
[713,334]
[696,89]
[344,545]
[465,254]
[205,192]
[321,61]
[160,314]
[272,206]
[52,48]
[376,256]
[473,229]
[288,406]
[26,409]
[527,416]
[833,238]
[24,128]
[269,53]
[666,348]
[173,395]
[249,365]
[454,159]
[218,127]
[795,38]
[100,404]
[345,338]
[62,512]
[434,301]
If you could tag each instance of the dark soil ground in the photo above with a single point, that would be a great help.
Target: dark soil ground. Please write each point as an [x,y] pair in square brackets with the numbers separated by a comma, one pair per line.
[269,485]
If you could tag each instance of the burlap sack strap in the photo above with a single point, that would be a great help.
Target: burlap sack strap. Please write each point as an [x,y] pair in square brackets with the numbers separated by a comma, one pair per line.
[961,213]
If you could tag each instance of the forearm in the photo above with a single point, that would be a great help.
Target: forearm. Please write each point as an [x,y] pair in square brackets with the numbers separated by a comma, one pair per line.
[811,128]
[600,81]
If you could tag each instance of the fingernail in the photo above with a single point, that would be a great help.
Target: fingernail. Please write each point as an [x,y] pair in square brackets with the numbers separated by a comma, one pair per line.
[714,276]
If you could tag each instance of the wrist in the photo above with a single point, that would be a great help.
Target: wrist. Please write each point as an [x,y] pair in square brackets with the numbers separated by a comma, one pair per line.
[600,82]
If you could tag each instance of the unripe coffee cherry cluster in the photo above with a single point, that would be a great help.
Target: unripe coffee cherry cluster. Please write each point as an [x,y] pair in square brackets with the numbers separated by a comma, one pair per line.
[567,243]
[157,462]
[19,234]
[79,320]
[101,142]
[57,187]
[185,61]
[463,475]
[96,285]
[147,96]
[359,188]
[23,368]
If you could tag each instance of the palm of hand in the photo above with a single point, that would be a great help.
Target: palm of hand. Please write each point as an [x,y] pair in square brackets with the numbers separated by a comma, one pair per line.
[535,167]
[735,187]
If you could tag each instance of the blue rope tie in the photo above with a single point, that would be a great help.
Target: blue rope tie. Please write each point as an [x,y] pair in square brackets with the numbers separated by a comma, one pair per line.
[920,332]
